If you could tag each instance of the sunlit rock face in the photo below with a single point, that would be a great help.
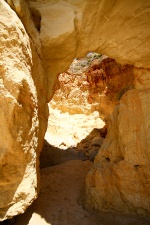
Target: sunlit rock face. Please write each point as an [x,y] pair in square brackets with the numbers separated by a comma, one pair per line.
[120,174]
[23,114]
[119,29]
[69,29]
[119,180]
[93,83]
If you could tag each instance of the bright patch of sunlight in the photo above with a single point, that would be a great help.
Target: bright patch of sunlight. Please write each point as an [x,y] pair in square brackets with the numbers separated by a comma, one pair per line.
[36,219]
[65,130]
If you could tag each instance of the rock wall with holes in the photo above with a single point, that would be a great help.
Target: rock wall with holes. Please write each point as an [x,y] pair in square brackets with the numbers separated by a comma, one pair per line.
[120,177]
[23,110]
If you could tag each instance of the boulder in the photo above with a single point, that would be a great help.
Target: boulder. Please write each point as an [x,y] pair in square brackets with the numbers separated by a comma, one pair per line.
[23,115]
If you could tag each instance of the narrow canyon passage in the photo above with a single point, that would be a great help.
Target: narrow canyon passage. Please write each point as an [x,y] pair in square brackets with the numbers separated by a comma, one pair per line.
[74,136]
[75,129]
[71,137]
[96,152]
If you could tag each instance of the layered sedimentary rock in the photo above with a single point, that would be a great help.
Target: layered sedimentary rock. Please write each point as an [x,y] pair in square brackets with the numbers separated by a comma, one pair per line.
[23,114]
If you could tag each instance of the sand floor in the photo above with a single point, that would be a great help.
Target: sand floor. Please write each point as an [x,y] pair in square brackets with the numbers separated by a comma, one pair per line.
[58,202]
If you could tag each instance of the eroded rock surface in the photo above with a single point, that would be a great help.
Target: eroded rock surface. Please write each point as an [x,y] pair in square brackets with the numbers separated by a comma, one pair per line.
[120,178]
[93,83]
[23,114]
[118,29]
[75,130]
[73,88]
[116,182]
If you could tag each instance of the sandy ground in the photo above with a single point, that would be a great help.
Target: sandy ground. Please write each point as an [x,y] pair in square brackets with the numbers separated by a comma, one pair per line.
[58,202]
[62,185]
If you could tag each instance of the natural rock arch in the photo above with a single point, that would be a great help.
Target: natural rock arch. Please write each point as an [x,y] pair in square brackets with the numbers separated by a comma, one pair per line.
[118,29]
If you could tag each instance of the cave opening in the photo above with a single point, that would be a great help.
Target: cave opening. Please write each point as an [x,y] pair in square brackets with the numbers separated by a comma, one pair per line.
[85,96]
[120,183]
[84,99]
[76,127]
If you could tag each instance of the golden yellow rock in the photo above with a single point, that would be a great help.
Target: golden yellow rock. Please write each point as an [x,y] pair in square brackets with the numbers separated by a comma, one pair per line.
[23,115]
[120,178]
[119,29]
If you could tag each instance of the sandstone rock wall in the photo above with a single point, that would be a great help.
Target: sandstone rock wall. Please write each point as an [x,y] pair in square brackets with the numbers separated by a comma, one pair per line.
[91,84]
[119,29]
[120,178]
[69,29]
[23,114]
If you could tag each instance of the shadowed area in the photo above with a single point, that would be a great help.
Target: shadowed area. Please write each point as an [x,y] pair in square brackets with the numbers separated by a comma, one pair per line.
[87,149]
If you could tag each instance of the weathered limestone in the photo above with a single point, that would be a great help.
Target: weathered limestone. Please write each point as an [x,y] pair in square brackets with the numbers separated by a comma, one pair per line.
[23,114]
[69,29]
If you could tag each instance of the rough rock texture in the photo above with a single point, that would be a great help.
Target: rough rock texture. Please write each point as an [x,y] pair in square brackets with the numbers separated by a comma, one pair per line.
[23,114]
[117,180]
[119,166]
[119,29]
[92,85]
[120,178]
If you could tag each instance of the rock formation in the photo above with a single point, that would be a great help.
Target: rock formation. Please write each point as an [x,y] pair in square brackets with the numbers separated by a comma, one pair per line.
[120,179]
[94,83]
[70,29]
[120,30]
[23,114]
